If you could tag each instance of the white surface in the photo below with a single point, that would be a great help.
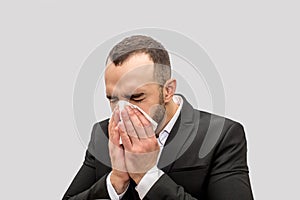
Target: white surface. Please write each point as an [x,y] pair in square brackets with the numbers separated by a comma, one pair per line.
[254,44]
[122,105]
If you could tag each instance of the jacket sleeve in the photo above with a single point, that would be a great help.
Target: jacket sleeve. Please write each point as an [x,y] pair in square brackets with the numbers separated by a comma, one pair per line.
[84,186]
[166,188]
[229,178]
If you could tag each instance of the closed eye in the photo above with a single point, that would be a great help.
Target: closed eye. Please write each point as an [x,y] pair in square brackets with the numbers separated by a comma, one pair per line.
[137,97]
[137,100]
[112,99]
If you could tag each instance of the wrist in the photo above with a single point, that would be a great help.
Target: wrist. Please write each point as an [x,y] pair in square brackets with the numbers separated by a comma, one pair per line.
[137,177]
[120,183]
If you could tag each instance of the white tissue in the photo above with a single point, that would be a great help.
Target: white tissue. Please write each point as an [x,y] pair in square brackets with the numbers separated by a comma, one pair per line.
[122,105]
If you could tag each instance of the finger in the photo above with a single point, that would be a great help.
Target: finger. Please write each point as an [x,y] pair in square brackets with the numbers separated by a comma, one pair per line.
[137,124]
[126,140]
[129,129]
[113,131]
[110,125]
[146,123]
[117,115]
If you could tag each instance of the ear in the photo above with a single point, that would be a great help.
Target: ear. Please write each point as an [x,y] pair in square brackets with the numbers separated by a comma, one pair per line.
[169,90]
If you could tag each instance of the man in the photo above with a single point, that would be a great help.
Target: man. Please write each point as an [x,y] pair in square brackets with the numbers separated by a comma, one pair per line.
[129,158]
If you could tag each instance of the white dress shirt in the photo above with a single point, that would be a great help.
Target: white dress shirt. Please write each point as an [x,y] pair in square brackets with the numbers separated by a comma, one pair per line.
[154,173]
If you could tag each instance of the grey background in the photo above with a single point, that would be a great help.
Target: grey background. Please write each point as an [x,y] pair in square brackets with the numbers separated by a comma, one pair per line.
[254,45]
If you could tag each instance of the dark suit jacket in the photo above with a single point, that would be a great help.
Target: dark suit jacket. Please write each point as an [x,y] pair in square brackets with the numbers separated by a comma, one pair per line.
[204,158]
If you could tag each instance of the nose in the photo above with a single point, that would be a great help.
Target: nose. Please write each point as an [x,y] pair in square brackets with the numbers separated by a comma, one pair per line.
[120,103]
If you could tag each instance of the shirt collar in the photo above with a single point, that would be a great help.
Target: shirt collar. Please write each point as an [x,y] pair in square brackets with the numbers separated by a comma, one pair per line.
[163,135]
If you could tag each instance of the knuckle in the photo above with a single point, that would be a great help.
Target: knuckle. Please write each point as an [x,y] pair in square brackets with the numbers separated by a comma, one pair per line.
[131,114]
[139,125]
[138,114]
[146,123]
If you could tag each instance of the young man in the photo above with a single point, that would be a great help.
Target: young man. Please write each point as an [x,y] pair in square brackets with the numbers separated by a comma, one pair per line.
[149,148]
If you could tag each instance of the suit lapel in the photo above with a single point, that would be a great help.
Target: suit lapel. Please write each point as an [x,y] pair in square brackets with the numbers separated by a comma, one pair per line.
[180,138]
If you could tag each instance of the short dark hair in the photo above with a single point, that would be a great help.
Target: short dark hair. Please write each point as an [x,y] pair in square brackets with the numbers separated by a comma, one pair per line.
[143,44]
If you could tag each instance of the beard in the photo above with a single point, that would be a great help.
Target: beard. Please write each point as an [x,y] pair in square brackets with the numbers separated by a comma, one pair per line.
[159,110]
[159,113]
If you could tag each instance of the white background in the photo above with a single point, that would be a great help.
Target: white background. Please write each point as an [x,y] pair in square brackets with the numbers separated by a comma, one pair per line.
[254,45]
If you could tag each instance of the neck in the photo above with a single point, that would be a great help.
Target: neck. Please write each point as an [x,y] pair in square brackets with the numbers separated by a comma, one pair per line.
[171,108]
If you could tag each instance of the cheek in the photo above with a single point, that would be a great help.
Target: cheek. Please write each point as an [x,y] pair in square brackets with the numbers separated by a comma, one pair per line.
[150,105]
[154,105]
[154,109]
[146,107]
[143,106]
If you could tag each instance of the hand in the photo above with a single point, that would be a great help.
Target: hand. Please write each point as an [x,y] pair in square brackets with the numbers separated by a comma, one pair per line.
[140,143]
[119,177]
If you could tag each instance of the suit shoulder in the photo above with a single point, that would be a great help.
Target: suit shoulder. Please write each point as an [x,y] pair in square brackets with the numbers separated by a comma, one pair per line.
[220,133]
[103,124]
[99,127]
[215,119]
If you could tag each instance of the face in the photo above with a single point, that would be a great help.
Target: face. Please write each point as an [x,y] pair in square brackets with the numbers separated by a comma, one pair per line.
[133,81]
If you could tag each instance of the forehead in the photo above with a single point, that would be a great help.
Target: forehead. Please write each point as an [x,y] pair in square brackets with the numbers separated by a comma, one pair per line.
[136,72]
